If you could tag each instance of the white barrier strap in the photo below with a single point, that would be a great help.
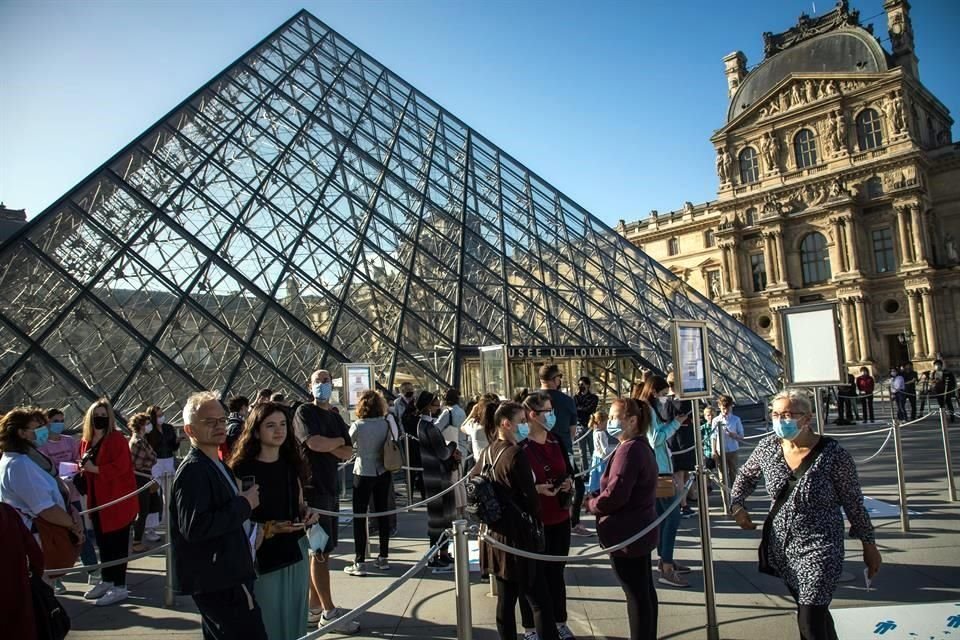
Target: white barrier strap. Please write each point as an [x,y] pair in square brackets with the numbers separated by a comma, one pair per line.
[100,507]
[103,565]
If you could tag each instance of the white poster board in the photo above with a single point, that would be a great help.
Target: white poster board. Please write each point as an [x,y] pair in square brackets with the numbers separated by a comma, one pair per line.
[812,346]
[357,379]
[691,360]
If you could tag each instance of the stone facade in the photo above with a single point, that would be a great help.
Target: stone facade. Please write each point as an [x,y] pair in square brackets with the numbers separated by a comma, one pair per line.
[840,185]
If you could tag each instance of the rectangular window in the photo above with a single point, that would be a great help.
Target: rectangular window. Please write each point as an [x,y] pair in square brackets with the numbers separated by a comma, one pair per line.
[759,271]
[883,257]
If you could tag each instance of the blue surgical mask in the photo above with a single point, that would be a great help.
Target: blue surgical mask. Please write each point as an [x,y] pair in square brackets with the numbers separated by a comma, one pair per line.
[551,420]
[41,434]
[56,428]
[322,391]
[613,427]
[786,428]
[523,430]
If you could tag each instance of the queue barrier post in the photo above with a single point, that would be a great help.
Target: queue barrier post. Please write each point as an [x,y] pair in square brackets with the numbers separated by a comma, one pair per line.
[951,481]
[168,599]
[706,546]
[461,569]
[406,458]
[901,481]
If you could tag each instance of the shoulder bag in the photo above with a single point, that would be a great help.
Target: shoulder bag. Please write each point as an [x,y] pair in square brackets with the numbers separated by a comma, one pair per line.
[51,619]
[392,454]
[763,552]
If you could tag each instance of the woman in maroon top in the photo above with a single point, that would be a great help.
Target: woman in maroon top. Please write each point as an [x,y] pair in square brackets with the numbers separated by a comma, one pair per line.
[553,478]
[625,505]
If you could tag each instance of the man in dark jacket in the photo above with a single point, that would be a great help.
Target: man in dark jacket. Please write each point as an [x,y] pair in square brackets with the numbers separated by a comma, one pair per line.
[210,529]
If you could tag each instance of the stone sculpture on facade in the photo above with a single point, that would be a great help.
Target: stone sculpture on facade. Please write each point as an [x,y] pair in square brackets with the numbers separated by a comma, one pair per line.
[724,164]
[770,147]
[950,248]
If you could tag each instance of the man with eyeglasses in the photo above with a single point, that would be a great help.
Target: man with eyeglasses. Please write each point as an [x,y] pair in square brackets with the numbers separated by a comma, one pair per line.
[210,529]
[551,379]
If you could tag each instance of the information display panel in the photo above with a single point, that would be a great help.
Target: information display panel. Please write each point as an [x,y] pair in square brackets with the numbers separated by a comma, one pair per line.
[691,360]
[357,378]
[812,346]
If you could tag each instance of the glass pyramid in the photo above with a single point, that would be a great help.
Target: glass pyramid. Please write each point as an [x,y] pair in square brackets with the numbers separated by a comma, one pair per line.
[305,208]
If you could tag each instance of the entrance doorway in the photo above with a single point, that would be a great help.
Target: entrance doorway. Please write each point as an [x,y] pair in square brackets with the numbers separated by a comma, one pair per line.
[897,352]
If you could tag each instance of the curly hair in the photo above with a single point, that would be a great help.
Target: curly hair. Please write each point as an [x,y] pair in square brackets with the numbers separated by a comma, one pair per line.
[138,422]
[371,404]
[248,446]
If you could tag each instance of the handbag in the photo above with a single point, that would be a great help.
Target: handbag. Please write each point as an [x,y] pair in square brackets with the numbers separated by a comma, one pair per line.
[60,545]
[666,487]
[51,619]
[392,454]
[763,553]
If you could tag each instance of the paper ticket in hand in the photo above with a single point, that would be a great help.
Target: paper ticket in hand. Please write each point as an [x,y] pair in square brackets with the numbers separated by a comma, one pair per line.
[866,578]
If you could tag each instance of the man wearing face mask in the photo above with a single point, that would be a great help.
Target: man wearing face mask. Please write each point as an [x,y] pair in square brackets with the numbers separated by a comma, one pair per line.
[326,443]
[408,417]
[809,478]
[565,427]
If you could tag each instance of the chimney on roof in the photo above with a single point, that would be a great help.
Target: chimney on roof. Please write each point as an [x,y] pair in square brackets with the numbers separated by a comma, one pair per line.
[901,36]
[735,66]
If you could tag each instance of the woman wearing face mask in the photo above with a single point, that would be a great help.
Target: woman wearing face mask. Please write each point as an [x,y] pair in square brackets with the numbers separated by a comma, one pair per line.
[809,478]
[108,469]
[29,482]
[144,458]
[62,448]
[163,439]
[553,480]
[438,458]
[626,504]
[654,393]
[516,577]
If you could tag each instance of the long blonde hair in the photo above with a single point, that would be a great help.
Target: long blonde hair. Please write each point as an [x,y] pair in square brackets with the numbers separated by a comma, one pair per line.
[88,429]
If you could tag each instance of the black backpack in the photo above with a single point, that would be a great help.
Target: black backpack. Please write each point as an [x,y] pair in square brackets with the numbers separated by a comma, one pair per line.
[484,502]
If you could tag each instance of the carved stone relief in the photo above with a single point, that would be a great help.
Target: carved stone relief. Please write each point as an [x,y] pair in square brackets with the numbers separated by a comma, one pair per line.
[807,91]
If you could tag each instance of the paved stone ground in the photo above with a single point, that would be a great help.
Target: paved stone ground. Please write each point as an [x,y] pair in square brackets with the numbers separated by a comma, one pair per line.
[919,566]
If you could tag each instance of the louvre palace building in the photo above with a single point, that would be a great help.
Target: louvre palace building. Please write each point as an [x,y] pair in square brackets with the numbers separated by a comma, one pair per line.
[838,182]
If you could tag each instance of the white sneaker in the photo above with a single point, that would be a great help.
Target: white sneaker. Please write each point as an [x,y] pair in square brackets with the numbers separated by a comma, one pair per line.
[100,589]
[347,629]
[564,632]
[355,569]
[383,564]
[313,616]
[112,596]
[151,536]
[531,635]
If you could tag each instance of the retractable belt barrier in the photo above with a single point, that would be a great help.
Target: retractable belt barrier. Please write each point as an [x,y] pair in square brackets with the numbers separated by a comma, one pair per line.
[100,507]
[104,565]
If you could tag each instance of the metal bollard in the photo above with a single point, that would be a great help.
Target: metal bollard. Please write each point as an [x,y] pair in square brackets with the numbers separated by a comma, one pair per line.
[951,481]
[461,576]
[901,482]
[406,457]
[706,546]
[167,481]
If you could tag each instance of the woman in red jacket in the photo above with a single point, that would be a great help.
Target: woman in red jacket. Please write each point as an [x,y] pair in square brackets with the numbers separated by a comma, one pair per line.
[108,469]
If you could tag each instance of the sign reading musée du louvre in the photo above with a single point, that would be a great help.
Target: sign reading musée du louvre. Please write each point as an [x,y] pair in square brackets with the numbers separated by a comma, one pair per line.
[565,352]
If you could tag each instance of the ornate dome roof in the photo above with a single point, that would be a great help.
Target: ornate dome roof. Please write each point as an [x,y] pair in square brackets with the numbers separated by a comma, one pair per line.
[850,49]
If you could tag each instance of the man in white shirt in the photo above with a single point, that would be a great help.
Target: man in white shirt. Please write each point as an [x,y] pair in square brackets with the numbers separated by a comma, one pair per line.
[727,428]
[898,388]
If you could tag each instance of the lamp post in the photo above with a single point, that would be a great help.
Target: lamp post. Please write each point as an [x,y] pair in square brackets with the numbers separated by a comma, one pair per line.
[905,337]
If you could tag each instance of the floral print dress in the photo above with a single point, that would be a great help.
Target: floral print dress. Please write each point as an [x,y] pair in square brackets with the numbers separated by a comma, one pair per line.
[806,541]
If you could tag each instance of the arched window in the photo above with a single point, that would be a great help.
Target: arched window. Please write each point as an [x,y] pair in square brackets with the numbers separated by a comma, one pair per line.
[805,148]
[751,217]
[869,132]
[814,259]
[749,166]
[673,246]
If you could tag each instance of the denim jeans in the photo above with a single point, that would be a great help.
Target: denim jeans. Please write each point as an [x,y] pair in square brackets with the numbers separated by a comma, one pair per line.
[668,529]
[88,553]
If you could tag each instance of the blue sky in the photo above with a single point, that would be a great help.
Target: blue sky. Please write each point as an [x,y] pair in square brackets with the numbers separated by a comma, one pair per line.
[611,101]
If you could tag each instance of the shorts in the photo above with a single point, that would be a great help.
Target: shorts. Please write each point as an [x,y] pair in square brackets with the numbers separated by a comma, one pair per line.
[330,524]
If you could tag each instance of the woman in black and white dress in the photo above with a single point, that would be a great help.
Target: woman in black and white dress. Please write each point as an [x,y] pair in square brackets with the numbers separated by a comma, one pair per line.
[438,458]
[809,479]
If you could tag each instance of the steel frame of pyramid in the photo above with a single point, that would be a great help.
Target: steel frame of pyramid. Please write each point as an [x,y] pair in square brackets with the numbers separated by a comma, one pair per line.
[305,208]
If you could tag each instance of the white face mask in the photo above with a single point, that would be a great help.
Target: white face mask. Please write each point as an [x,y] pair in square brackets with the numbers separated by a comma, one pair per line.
[160,421]
[147,429]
